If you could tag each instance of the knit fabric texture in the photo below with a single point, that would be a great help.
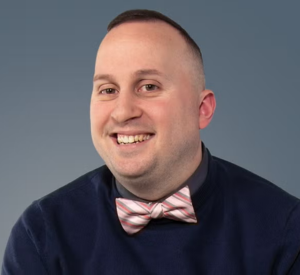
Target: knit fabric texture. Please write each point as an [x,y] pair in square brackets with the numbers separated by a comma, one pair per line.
[245,225]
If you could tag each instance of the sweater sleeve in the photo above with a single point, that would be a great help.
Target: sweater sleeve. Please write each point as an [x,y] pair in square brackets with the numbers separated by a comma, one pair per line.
[23,254]
[295,269]
[289,257]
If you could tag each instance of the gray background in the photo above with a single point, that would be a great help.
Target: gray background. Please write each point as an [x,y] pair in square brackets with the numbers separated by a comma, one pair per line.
[47,51]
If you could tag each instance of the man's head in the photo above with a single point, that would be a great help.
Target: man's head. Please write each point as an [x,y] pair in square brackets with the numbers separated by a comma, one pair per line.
[149,86]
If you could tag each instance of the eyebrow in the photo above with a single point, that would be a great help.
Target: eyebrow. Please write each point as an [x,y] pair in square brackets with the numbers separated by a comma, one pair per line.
[138,73]
[148,72]
[103,77]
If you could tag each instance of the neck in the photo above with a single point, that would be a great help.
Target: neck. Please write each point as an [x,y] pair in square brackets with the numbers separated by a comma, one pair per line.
[154,187]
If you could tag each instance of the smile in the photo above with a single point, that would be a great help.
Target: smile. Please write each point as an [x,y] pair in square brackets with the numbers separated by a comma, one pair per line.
[126,139]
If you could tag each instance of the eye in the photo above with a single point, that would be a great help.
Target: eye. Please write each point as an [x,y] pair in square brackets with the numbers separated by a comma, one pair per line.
[149,87]
[108,91]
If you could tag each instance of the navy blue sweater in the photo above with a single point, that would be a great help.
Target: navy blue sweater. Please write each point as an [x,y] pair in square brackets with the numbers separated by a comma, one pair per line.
[246,225]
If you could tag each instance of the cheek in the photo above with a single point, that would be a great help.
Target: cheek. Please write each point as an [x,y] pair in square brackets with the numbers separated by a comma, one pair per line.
[98,115]
[162,113]
[168,121]
[183,116]
[176,109]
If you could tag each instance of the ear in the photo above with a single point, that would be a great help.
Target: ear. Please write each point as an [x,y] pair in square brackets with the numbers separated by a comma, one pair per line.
[207,106]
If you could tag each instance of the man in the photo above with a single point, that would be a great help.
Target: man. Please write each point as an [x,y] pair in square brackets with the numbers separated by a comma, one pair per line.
[162,204]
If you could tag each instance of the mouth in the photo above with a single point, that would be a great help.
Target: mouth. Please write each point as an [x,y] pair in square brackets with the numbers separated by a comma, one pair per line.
[131,139]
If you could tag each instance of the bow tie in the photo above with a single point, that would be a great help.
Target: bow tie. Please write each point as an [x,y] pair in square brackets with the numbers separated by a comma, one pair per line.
[135,215]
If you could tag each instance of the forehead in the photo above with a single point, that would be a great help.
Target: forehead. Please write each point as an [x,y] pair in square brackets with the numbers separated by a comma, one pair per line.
[149,30]
[144,43]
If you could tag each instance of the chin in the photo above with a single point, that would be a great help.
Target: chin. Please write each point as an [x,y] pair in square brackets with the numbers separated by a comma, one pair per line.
[129,171]
[128,174]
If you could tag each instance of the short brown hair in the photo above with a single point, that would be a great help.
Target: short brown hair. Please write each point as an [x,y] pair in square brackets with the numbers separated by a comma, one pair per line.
[150,15]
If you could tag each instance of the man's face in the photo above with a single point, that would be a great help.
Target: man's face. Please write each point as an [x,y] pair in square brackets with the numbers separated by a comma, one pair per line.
[143,90]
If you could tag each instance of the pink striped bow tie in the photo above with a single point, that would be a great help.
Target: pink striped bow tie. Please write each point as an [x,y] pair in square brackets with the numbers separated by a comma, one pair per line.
[134,215]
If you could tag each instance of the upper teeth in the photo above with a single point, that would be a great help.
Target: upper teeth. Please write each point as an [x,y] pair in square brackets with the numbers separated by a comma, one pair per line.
[132,139]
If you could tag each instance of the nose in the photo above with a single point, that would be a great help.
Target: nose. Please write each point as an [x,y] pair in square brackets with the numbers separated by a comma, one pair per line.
[126,108]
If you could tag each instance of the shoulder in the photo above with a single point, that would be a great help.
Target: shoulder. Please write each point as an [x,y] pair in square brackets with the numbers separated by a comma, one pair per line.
[79,190]
[75,198]
[66,199]
[244,181]
[252,194]
[47,219]
[87,181]
[262,213]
